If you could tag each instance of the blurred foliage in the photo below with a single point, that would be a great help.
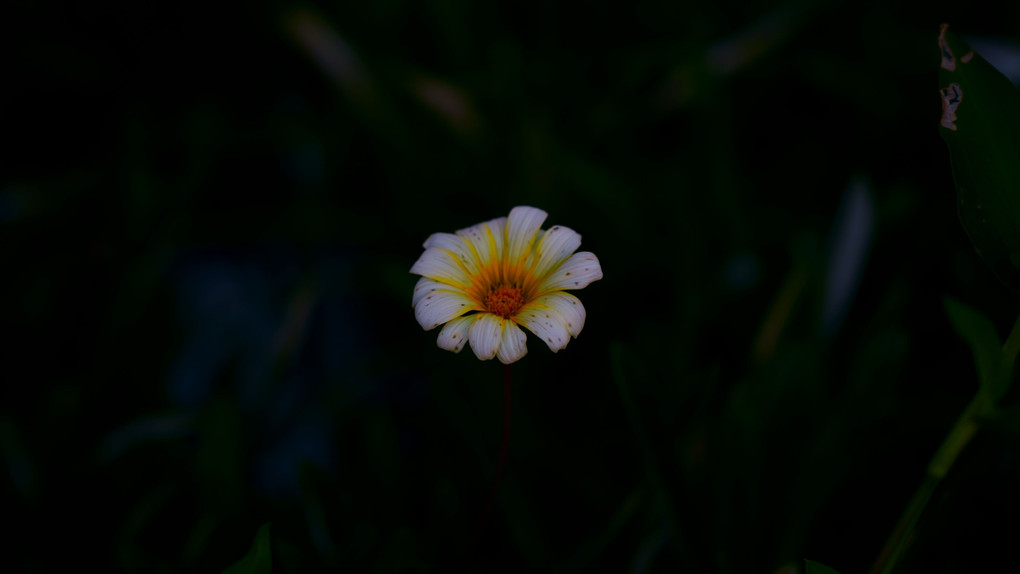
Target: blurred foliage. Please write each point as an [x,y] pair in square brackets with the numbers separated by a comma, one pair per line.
[811,567]
[207,216]
[259,559]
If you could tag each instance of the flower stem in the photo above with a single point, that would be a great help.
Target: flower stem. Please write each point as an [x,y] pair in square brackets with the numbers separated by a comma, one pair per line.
[503,449]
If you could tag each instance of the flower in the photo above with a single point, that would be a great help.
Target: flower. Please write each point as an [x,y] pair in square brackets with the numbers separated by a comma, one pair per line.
[489,280]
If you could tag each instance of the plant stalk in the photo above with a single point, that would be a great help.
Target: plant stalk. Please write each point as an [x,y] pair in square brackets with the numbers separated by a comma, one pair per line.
[957,439]
[504,448]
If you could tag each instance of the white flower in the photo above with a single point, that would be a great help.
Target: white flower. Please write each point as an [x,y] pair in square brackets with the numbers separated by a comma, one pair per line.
[484,281]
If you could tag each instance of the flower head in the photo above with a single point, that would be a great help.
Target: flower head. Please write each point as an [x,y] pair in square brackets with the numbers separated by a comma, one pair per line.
[489,280]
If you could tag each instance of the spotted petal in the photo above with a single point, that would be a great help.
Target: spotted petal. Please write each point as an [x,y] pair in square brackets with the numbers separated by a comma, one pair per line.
[426,286]
[578,272]
[486,334]
[441,265]
[566,305]
[458,248]
[514,344]
[486,240]
[547,324]
[521,230]
[553,248]
[439,306]
[455,333]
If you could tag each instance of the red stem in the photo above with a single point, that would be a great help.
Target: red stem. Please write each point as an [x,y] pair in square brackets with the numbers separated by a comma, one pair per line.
[503,449]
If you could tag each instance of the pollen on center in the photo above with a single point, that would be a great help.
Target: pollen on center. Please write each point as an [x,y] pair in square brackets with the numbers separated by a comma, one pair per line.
[504,300]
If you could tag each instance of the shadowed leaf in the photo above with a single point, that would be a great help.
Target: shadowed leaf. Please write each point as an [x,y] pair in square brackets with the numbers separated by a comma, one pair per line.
[981,125]
[981,337]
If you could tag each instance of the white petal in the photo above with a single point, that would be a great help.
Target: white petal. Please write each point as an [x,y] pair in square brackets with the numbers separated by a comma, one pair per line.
[514,344]
[425,286]
[547,324]
[498,229]
[486,334]
[578,272]
[521,229]
[455,333]
[568,307]
[554,247]
[457,247]
[441,265]
[438,307]
[486,239]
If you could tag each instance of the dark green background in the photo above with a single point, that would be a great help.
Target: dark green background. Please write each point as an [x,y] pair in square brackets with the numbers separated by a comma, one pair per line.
[206,224]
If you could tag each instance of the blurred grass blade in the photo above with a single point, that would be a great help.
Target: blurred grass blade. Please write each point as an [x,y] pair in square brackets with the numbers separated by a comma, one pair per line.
[259,559]
[981,125]
[981,337]
[662,498]
[812,567]
[1007,358]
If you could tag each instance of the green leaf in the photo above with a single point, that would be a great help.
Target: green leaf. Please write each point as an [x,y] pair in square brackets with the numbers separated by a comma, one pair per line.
[259,559]
[812,567]
[980,335]
[981,125]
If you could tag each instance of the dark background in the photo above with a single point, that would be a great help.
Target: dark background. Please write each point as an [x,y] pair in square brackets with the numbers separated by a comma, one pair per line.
[207,217]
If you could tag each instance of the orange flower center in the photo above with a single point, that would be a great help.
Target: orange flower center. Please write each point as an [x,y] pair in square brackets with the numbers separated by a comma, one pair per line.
[504,300]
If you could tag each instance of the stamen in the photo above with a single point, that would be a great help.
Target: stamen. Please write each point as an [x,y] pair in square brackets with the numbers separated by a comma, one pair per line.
[504,300]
